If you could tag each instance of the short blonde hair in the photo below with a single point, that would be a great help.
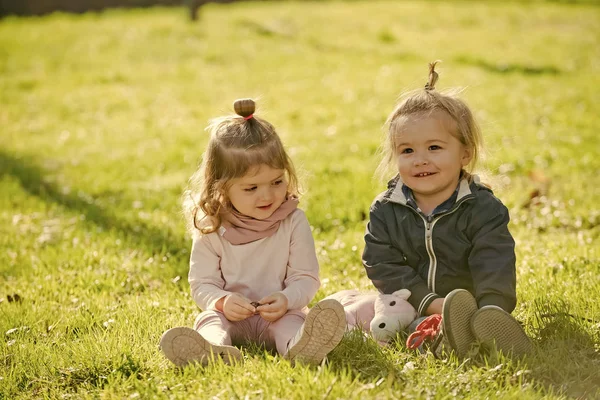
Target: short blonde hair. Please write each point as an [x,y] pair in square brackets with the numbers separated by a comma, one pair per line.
[427,101]
[237,144]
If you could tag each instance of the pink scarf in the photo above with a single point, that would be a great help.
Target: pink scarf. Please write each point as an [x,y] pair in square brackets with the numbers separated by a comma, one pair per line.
[241,229]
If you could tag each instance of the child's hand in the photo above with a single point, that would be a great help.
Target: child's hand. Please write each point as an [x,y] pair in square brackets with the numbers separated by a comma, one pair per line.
[273,307]
[237,308]
[435,307]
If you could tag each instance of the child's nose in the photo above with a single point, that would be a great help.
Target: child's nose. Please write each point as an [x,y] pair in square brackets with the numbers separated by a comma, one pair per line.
[267,194]
[420,160]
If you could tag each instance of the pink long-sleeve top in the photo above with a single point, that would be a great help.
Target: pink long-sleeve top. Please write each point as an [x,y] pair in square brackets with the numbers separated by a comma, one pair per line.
[285,262]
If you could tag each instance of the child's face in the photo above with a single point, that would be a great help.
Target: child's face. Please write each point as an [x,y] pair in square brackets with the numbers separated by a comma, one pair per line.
[258,193]
[429,157]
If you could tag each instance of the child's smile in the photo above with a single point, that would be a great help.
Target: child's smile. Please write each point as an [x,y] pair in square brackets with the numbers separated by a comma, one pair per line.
[424,174]
[429,157]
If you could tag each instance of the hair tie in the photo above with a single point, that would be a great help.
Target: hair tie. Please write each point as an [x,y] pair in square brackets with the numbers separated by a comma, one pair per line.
[248,117]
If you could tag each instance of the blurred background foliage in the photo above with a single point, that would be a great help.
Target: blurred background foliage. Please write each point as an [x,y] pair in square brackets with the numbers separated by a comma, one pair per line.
[40,7]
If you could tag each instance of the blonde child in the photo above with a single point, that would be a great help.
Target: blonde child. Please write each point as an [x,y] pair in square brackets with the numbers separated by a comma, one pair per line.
[253,267]
[441,234]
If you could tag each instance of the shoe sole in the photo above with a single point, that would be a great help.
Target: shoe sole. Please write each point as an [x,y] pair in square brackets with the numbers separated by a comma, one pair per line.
[492,324]
[183,346]
[322,331]
[459,307]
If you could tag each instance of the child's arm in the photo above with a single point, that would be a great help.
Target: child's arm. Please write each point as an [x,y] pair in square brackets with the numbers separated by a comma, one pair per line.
[492,258]
[386,267]
[206,282]
[302,276]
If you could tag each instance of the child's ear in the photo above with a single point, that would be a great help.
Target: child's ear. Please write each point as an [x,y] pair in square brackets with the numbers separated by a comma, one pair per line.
[402,293]
[466,156]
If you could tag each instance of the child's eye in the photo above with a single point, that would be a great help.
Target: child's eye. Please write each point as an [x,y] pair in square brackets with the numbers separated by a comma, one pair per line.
[406,151]
[278,182]
[434,147]
[250,189]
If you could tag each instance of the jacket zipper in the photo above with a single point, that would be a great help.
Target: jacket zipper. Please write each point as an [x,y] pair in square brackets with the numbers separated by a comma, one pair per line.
[429,244]
[432,259]
[429,240]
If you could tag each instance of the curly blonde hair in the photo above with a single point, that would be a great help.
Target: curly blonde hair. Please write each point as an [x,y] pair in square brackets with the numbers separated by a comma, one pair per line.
[237,144]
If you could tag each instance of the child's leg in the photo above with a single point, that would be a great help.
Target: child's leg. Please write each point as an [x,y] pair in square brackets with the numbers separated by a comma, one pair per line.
[493,324]
[210,341]
[322,330]
[215,328]
[279,333]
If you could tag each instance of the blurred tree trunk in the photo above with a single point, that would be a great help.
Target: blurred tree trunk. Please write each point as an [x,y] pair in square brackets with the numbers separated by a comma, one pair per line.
[40,7]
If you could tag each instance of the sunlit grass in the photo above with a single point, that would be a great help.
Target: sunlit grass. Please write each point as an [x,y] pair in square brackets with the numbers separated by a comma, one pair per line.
[102,120]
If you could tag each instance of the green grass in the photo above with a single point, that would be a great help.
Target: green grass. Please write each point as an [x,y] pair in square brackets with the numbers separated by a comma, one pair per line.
[102,120]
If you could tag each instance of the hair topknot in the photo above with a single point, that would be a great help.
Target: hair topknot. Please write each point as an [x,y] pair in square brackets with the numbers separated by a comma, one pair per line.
[244,107]
[235,147]
[433,76]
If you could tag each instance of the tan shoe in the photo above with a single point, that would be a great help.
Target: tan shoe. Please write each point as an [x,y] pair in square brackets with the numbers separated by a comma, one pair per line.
[183,346]
[322,330]
[493,324]
[459,307]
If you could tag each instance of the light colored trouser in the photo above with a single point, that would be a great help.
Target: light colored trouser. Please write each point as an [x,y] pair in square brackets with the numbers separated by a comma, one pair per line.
[216,329]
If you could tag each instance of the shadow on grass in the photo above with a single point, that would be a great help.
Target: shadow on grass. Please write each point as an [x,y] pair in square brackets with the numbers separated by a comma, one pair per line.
[505,68]
[99,374]
[95,373]
[363,358]
[136,233]
[567,354]
[565,360]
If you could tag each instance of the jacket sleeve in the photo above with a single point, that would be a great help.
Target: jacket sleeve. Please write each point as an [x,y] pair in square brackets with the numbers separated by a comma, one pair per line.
[302,275]
[206,281]
[386,266]
[492,259]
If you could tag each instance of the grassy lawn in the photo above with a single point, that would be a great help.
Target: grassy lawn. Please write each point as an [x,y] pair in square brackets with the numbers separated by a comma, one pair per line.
[102,120]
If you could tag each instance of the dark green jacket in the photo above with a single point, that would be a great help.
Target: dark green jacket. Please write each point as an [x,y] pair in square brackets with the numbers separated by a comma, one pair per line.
[468,246]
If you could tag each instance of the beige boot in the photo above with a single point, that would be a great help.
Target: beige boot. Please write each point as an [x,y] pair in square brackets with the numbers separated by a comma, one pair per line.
[459,307]
[493,324]
[322,330]
[184,346]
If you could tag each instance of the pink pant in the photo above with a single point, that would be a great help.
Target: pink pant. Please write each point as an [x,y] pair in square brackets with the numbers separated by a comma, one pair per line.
[216,329]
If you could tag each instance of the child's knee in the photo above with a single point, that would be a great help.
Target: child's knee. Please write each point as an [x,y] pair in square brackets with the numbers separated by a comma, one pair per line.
[207,317]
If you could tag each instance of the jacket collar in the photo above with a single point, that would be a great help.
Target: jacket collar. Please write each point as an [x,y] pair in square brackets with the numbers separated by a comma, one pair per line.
[395,195]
